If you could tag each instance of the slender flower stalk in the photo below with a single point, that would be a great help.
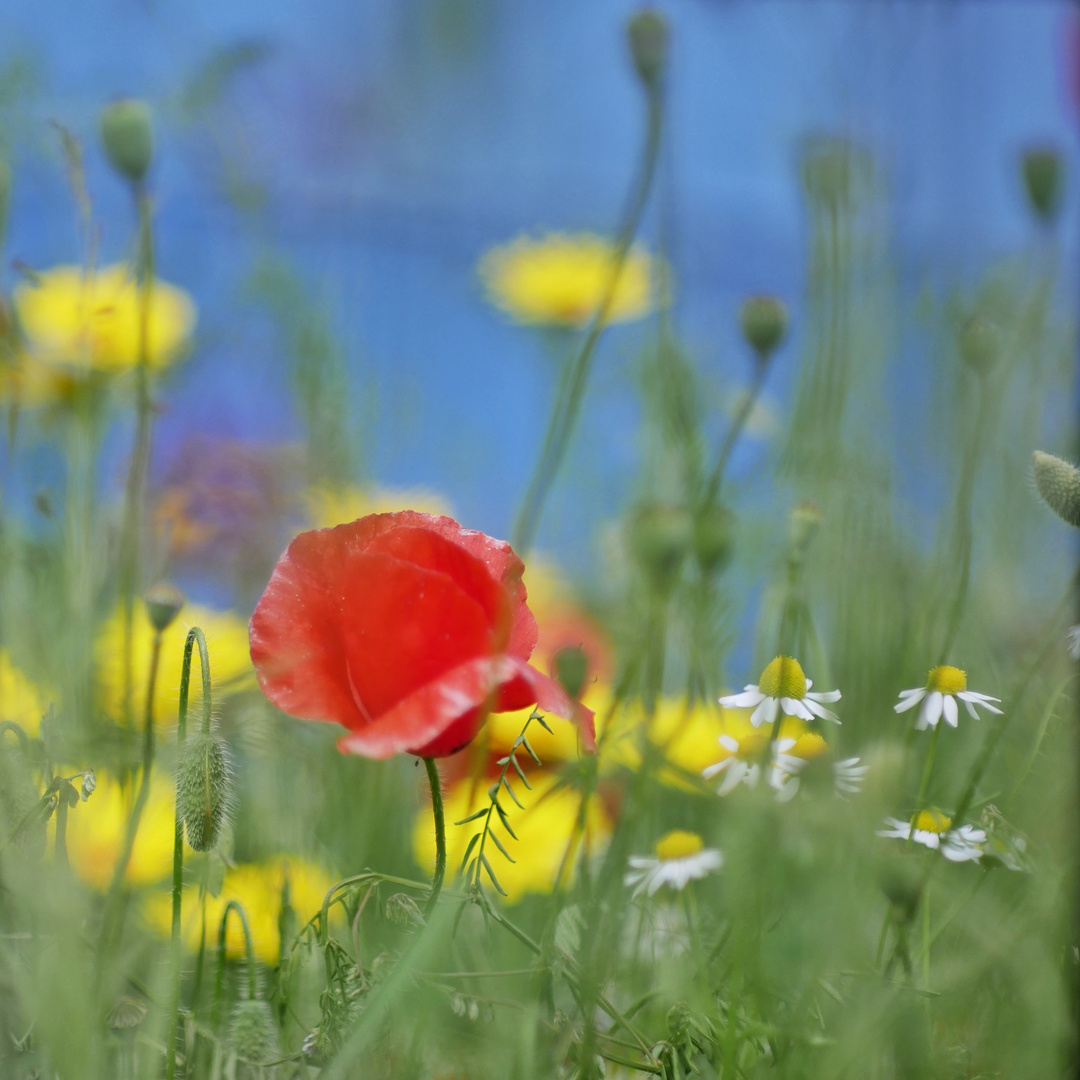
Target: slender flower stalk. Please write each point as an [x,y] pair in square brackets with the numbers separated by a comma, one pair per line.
[575,376]
[194,635]
[232,907]
[440,834]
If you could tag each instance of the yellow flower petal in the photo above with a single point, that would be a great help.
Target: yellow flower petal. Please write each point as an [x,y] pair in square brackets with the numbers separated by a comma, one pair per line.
[91,319]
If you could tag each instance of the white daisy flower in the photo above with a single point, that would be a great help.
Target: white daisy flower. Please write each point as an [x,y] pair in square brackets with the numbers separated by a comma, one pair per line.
[939,695]
[738,767]
[785,768]
[783,686]
[1073,638]
[788,756]
[848,776]
[934,829]
[680,857]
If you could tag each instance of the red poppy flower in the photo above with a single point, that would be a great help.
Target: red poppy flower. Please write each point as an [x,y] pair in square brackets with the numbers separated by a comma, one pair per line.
[404,628]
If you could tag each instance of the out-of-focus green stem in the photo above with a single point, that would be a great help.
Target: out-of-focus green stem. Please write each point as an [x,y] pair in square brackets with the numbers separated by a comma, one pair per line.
[249,954]
[195,635]
[113,895]
[440,834]
[738,422]
[924,784]
[568,401]
[131,547]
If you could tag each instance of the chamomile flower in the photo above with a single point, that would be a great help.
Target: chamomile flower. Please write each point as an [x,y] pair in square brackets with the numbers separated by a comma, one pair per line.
[788,755]
[680,857]
[783,686]
[848,775]
[934,829]
[939,695]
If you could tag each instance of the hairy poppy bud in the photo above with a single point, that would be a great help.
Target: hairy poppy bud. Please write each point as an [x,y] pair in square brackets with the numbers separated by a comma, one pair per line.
[1058,483]
[647,33]
[571,668]
[764,321]
[203,792]
[127,138]
[1042,167]
[713,538]
[979,343]
[252,1032]
[163,604]
[659,538]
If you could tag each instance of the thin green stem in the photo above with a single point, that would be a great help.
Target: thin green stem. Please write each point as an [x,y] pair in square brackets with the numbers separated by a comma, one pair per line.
[924,784]
[116,884]
[572,386]
[195,635]
[249,955]
[60,844]
[130,547]
[735,428]
[440,835]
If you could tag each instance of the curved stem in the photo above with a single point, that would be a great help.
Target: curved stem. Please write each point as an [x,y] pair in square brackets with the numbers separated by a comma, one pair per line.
[440,835]
[249,955]
[194,635]
[568,402]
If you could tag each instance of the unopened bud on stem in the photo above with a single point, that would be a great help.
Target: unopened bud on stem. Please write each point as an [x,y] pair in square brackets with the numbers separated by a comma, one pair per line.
[647,33]
[1058,483]
[1043,170]
[127,138]
[660,537]
[764,321]
[203,788]
[163,604]
[979,344]
[252,1032]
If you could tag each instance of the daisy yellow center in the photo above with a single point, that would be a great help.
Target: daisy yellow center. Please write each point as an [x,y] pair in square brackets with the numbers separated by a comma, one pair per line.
[947,680]
[783,677]
[678,844]
[809,746]
[932,821]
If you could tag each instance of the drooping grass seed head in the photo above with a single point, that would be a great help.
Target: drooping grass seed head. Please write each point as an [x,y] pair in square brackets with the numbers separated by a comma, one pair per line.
[1058,483]
[647,34]
[128,138]
[253,1033]
[764,322]
[204,788]
[1043,171]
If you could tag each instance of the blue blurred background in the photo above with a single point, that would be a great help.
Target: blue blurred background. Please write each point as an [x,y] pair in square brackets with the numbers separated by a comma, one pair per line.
[382,145]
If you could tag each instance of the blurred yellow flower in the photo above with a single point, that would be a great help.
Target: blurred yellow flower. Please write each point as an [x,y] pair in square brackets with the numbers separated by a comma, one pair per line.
[20,700]
[545,829]
[230,660]
[560,280]
[96,830]
[327,507]
[257,887]
[91,319]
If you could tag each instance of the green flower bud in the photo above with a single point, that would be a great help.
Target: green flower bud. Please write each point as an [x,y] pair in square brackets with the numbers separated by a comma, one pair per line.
[252,1032]
[979,344]
[1043,169]
[647,33]
[571,669]
[203,788]
[713,541]
[127,137]
[805,520]
[163,604]
[1058,483]
[659,537]
[764,321]
[834,169]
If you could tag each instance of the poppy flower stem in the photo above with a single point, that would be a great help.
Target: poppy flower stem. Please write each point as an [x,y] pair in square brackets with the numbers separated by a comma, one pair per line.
[195,635]
[440,835]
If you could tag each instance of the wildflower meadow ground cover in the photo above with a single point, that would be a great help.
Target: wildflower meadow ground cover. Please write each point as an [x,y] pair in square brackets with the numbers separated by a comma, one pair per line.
[785,787]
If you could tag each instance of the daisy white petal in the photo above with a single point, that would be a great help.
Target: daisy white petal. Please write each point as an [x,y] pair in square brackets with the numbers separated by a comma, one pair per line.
[765,713]
[828,696]
[935,702]
[750,697]
[948,707]
[820,710]
[909,699]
